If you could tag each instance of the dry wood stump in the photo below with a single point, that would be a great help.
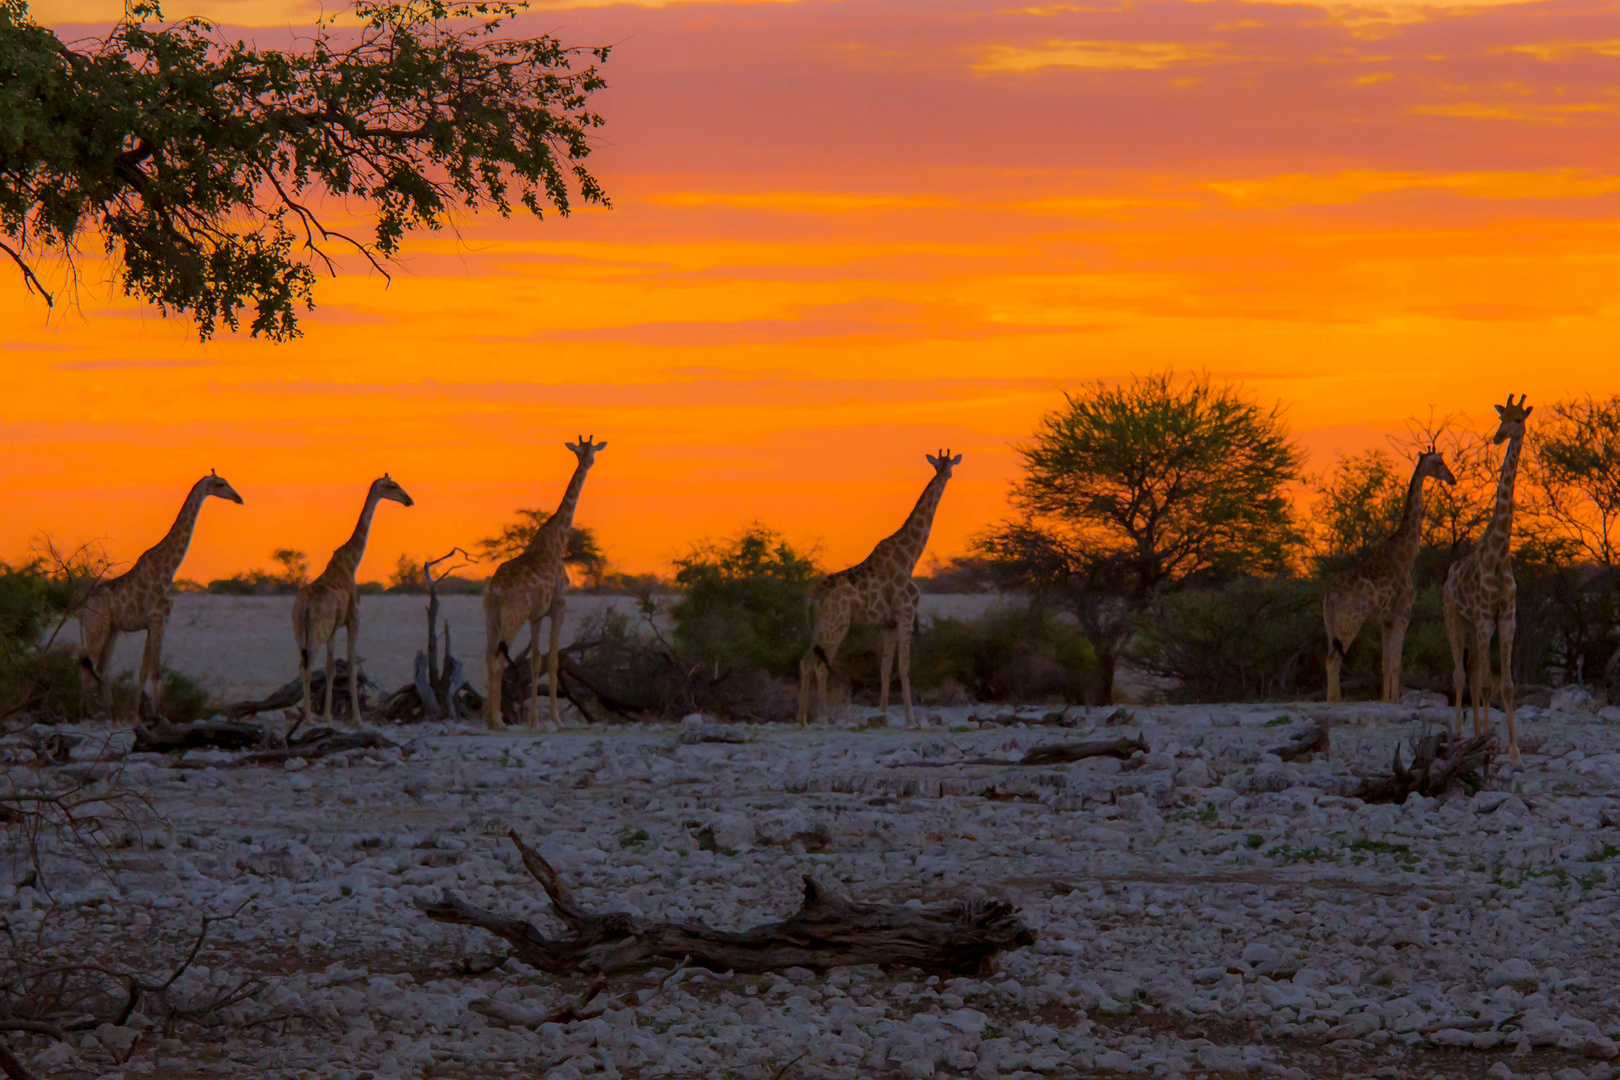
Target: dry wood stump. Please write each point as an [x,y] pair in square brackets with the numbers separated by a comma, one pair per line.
[829,930]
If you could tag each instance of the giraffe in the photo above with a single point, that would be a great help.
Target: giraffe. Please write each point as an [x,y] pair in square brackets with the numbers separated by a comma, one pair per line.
[333,600]
[139,600]
[1480,594]
[878,590]
[1381,586]
[529,588]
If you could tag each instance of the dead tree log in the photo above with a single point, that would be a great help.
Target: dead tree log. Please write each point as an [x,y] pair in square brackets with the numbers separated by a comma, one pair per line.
[1063,753]
[318,744]
[1438,762]
[163,738]
[829,930]
[1313,739]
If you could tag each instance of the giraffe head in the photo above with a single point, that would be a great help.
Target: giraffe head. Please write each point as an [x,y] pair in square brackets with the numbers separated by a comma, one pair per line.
[585,450]
[214,484]
[1513,417]
[942,464]
[1432,463]
[385,488]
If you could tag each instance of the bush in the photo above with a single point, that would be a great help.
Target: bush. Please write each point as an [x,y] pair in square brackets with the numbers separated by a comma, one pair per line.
[1250,638]
[1015,653]
[743,604]
[33,677]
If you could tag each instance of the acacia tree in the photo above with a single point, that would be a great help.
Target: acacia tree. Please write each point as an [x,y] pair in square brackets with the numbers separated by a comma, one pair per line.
[203,165]
[1575,473]
[1133,491]
[1358,503]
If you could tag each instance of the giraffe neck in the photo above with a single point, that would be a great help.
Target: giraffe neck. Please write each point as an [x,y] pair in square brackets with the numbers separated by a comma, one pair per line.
[1499,533]
[165,557]
[554,533]
[1409,534]
[907,544]
[347,558]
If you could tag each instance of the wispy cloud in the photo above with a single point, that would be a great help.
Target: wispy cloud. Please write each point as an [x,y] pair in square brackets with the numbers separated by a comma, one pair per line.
[130,365]
[1093,55]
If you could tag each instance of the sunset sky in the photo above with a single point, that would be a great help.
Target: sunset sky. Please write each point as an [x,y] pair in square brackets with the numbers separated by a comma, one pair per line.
[848,233]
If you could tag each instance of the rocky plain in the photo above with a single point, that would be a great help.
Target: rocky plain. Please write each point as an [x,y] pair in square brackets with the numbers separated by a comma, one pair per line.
[1202,908]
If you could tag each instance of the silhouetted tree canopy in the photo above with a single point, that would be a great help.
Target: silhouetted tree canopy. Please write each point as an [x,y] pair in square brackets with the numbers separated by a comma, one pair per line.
[202,164]
[1133,490]
[583,552]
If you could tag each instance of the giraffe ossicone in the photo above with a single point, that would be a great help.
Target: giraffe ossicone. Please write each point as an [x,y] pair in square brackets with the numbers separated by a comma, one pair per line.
[531,588]
[333,600]
[1480,596]
[139,600]
[876,591]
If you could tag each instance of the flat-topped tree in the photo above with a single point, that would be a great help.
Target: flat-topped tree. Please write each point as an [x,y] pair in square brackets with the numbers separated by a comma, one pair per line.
[201,164]
[139,600]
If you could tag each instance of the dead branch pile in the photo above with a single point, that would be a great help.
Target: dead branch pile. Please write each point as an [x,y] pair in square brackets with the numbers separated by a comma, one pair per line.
[1438,762]
[49,987]
[317,742]
[829,930]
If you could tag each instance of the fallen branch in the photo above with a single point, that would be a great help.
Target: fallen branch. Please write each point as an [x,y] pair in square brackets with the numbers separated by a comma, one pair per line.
[318,744]
[1313,739]
[1063,753]
[829,930]
[1437,764]
[14,1069]
[162,737]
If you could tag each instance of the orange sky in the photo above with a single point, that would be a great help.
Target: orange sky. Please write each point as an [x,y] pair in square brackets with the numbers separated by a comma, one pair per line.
[846,233]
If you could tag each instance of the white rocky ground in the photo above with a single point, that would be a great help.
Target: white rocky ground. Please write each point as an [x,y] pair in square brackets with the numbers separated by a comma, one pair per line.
[1203,910]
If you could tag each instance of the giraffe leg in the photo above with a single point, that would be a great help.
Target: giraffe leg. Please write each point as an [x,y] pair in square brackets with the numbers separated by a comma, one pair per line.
[1480,682]
[104,670]
[351,632]
[534,673]
[551,661]
[905,668]
[331,677]
[807,667]
[883,671]
[303,673]
[1459,673]
[152,661]
[494,672]
[1504,640]
[1394,645]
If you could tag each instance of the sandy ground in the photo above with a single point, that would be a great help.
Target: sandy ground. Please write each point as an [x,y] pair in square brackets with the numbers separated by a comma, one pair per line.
[241,647]
[1204,910]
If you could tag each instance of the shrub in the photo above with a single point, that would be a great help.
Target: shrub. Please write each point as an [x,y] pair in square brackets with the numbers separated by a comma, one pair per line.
[1250,638]
[1013,653]
[743,604]
[34,677]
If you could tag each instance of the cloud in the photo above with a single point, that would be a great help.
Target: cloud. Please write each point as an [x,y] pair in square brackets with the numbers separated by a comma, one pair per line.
[1553,51]
[1354,185]
[1094,55]
[741,390]
[1521,111]
[129,365]
[806,202]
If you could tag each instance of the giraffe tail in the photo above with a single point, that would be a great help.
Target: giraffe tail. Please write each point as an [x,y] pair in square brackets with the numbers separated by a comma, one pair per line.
[90,666]
[303,651]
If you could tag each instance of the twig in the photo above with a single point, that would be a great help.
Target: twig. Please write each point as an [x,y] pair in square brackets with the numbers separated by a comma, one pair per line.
[30,279]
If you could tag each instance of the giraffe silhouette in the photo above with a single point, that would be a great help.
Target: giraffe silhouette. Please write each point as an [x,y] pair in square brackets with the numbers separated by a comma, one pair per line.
[528,589]
[140,600]
[1380,586]
[333,600]
[1480,594]
[876,591]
